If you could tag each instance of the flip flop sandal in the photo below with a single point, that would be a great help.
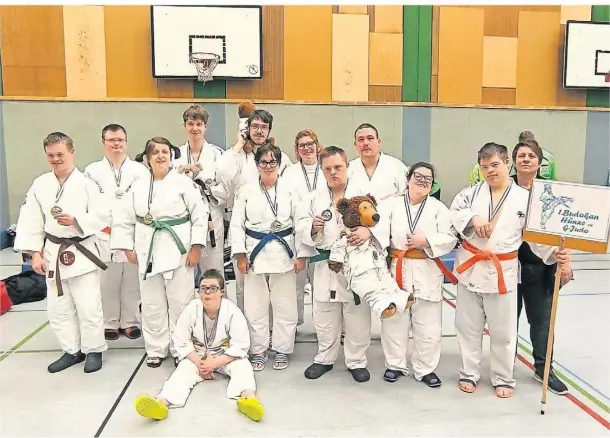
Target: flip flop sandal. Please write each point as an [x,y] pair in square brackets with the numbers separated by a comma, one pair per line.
[154,362]
[280,362]
[392,375]
[111,334]
[431,380]
[510,394]
[472,382]
[132,332]
[258,362]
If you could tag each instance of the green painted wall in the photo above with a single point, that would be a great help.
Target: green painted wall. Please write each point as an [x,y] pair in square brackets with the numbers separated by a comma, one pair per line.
[216,89]
[417,53]
[599,98]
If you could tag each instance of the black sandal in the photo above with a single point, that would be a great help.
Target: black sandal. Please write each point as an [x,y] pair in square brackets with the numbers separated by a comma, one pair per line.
[431,380]
[154,362]
[392,375]
[111,334]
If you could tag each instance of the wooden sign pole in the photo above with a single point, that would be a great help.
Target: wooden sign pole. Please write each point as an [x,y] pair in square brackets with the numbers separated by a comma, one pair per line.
[549,344]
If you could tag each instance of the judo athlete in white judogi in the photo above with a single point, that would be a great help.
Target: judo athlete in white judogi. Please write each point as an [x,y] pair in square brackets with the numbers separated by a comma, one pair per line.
[162,225]
[305,175]
[380,174]
[58,225]
[211,335]
[115,174]
[490,216]
[238,167]
[333,303]
[199,160]
[268,254]
[421,232]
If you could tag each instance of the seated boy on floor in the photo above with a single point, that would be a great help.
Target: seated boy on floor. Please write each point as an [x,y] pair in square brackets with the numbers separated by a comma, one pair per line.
[211,335]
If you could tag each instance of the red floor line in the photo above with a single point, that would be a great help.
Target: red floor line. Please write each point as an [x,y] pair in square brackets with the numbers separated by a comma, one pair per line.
[569,396]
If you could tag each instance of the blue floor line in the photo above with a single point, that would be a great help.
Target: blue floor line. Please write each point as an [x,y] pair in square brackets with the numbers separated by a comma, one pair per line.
[556,363]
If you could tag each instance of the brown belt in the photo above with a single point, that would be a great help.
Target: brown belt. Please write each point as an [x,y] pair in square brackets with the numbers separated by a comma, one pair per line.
[401,254]
[67,257]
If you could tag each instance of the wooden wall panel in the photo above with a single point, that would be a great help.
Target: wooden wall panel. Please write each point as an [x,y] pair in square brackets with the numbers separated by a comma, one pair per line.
[381,93]
[359,9]
[85,51]
[499,96]
[460,55]
[33,58]
[501,21]
[538,58]
[307,54]
[567,97]
[499,62]
[582,13]
[385,59]
[434,68]
[271,86]
[350,63]
[387,19]
[179,88]
[129,52]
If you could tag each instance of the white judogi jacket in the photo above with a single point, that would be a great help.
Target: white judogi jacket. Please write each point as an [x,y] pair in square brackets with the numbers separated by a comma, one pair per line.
[173,197]
[232,336]
[209,159]
[422,277]
[80,198]
[506,237]
[326,280]
[252,211]
[305,178]
[113,182]
[389,178]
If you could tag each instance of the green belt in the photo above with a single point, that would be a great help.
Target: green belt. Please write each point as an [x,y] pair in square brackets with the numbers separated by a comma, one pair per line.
[324,254]
[165,225]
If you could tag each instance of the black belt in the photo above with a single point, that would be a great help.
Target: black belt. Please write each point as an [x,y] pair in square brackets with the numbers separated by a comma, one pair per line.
[64,243]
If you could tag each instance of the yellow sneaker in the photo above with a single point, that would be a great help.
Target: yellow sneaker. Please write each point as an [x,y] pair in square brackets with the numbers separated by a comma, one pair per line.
[251,408]
[150,407]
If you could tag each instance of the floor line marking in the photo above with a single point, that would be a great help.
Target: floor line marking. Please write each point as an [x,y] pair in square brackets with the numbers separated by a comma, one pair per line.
[23,341]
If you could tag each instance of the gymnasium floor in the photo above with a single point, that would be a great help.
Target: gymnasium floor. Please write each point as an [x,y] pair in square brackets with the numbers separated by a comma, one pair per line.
[71,403]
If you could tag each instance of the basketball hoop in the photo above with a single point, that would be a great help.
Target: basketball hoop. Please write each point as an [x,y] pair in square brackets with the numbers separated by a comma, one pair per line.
[205,63]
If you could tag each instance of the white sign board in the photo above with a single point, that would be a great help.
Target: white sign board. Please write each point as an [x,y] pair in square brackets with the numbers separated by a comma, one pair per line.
[586,55]
[569,210]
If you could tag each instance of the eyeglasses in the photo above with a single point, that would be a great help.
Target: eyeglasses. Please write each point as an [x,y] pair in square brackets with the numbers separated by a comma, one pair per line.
[257,127]
[271,164]
[308,145]
[115,140]
[420,177]
[209,289]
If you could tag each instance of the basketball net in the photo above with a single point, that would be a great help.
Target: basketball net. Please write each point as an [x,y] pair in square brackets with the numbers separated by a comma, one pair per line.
[205,63]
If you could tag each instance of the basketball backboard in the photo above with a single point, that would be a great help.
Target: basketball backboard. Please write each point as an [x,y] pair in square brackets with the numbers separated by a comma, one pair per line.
[586,55]
[232,32]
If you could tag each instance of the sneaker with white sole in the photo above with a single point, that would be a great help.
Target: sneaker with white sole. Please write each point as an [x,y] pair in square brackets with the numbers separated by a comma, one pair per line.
[556,386]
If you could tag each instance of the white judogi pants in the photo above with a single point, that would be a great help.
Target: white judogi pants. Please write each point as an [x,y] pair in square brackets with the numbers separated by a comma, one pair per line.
[280,291]
[215,256]
[303,277]
[177,388]
[77,317]
[121,295]
[425,320]
[239,286]
[500,313]
[328,318]
[162,302]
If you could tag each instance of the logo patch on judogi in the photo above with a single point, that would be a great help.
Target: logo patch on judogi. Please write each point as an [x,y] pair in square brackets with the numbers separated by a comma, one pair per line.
[67,258]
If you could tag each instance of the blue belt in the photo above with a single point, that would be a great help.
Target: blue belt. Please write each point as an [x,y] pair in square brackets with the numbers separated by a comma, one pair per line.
[265,238]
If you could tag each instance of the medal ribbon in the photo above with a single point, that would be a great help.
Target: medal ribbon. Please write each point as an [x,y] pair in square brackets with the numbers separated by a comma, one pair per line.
[315,178]
[209,340]
[413,223]
[117,178]
[273,204]
[494,211]
[190,157]
[62,186]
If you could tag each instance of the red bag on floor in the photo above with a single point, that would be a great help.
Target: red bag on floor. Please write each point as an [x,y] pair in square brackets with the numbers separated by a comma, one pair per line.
[5,300]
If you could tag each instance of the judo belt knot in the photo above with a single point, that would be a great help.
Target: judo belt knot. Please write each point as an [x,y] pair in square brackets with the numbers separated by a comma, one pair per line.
[480,255]
[167,225]
[64,243]
[265,238]
[417,254]
[324,254]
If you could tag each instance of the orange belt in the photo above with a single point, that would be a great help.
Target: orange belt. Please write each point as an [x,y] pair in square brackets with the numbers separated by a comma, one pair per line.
[486,255]
[106,230]
[417,254]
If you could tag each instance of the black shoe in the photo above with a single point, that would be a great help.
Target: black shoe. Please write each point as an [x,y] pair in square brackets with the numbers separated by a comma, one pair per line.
[111,334]
[66,361]
[93,362]
[360,375]
[431,380]
[556,386]
[392,375]
[176,362]
[131,332]
[317,370]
